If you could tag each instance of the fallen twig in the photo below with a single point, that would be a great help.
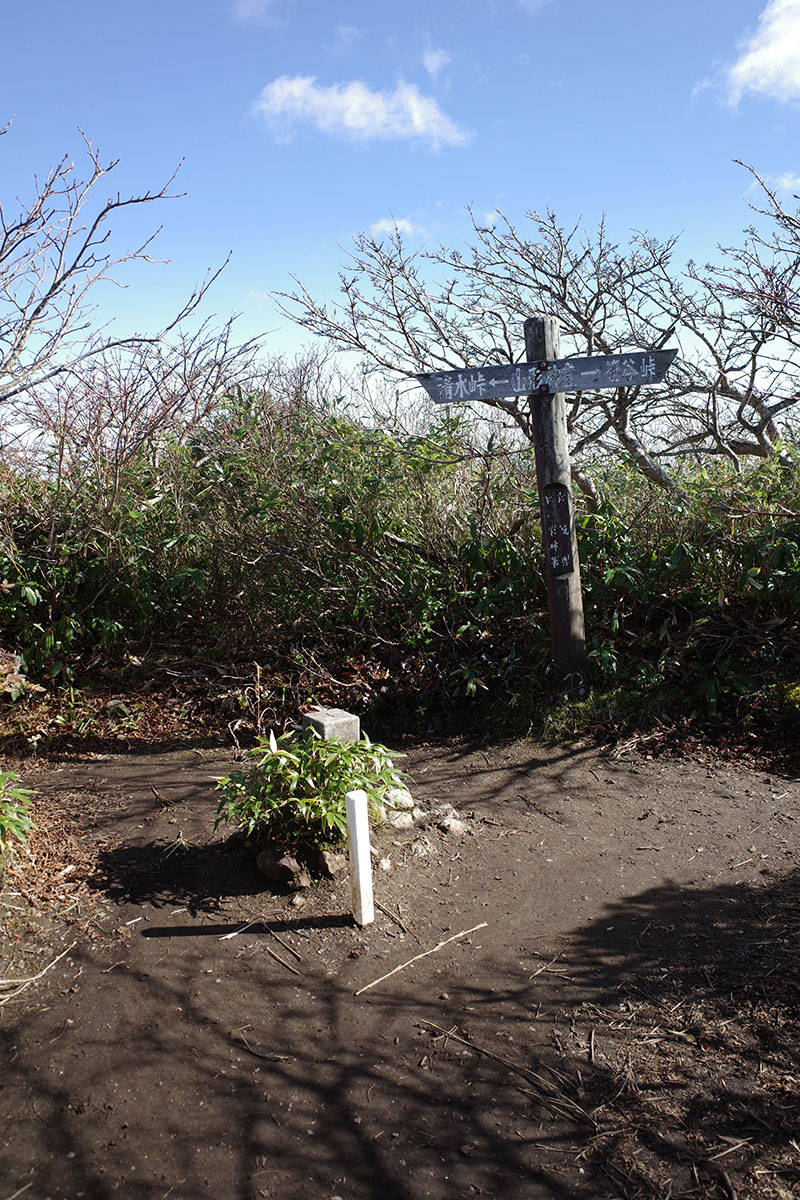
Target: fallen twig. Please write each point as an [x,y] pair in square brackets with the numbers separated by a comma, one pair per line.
[539,970]
[730,1190]
[285,945]
[729,1149]
[268,1057]
[394,917]
[19,985]
[639,740]
[19,1191]
[282,961]
[424,954]
[227,936]
[164,803]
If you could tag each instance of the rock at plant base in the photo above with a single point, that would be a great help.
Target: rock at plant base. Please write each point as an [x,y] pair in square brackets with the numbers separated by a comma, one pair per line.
[400,820]
[452,825]
[277,865]
[282,868]
[441,811]
[400,797]
[328,862]
[419,815]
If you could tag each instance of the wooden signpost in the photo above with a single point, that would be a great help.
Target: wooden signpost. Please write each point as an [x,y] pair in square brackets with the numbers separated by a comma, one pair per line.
[544,379]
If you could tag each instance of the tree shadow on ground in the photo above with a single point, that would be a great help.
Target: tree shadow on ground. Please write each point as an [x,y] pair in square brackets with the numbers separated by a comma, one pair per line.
[683,1025]
[656,1057]
[198,877]
[266,1087]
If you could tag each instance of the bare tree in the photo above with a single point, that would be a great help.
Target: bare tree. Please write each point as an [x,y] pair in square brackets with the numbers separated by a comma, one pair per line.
[746,316]
[732,391]
[54,249]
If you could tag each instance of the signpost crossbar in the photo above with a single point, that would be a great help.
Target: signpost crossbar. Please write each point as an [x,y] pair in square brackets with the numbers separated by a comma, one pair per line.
[636,369]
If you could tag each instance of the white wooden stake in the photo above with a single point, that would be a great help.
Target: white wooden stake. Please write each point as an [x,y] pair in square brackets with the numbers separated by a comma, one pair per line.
[360,862]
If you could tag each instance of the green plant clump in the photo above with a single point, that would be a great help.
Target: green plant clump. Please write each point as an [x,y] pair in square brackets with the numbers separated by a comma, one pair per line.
[294,791]
[15,817]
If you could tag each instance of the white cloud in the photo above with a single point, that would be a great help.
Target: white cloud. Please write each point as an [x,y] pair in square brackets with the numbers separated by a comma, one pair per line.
[258,298]
[788,183]
[257,12]
[434,60]
[346,37]
[770,58]
[703,85]
[390,225]
[352,110]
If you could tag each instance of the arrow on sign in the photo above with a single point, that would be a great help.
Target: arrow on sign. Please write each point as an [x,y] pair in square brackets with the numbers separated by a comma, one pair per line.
[555,375]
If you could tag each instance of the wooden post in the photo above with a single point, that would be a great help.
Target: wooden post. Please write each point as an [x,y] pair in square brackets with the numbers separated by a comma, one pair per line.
[554,479]
[360,863]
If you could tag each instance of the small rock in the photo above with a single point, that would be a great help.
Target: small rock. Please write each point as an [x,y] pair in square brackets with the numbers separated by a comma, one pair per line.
[329,862]
[400,798]
[421,847]
[297,901]
[385,864]
[419,816]
[452,825]
[439,812]
[282,868]
[117,708]
[401,820]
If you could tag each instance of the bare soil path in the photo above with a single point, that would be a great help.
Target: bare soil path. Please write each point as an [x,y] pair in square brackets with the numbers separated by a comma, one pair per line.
[625,1024]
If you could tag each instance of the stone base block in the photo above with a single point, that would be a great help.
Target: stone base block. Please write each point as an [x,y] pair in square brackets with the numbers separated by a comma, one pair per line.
[333,723]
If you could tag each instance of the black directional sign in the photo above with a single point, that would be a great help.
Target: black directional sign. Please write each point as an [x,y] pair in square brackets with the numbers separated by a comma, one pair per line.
[556,375]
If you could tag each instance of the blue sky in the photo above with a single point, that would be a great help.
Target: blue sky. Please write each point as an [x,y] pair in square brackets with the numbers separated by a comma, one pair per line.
[301,122]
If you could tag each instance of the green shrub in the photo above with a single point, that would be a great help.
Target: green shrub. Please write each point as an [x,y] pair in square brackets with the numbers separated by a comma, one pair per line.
[294,791]
[407,568]
[15,818]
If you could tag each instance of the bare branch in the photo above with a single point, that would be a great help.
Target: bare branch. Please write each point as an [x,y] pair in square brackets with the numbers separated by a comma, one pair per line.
[54,250]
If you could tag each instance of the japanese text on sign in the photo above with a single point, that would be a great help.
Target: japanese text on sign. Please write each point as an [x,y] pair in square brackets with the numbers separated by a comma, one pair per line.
[557,529]
[557,375]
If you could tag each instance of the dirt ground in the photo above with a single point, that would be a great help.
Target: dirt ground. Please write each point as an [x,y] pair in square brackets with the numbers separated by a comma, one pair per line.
[622,1021]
